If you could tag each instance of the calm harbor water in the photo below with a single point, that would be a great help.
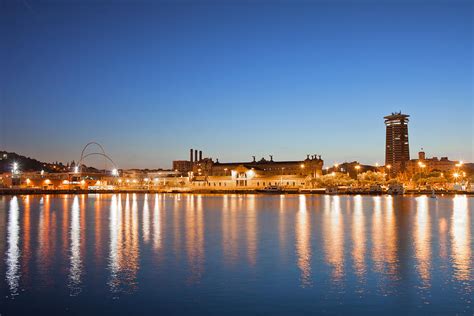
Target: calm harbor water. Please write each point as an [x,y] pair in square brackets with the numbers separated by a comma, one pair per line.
[236,254]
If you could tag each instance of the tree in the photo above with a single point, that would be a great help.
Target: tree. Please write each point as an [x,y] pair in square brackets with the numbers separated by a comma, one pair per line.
[370,178]
[333,179]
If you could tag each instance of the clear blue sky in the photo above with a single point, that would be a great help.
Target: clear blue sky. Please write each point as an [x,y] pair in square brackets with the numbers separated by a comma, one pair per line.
[151,80]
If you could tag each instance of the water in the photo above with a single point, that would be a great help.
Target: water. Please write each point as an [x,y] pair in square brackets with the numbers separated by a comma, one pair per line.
[236,254]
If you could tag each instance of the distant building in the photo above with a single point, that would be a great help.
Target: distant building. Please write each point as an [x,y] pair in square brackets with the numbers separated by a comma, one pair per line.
[182,166]
[423,164]
[255,174]
[397,150]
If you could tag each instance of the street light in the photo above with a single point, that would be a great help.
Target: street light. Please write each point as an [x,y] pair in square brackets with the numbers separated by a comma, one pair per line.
[456,176]
[15,168]
[357,168]
[421,165]
[388,170]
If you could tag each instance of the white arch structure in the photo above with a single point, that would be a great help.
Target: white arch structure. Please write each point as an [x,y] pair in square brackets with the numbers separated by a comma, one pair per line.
[102,153]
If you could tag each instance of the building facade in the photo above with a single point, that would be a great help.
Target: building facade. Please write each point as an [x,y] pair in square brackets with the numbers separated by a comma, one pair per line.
[397,150]
[433,164]
[255,174]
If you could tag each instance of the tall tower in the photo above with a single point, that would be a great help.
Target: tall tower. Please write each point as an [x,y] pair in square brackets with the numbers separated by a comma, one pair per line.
[397,150]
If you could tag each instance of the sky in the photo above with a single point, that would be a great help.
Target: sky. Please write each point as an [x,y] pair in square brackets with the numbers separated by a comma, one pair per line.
[150,80]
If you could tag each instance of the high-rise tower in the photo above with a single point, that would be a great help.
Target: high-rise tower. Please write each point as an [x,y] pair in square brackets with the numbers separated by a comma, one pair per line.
[397,150]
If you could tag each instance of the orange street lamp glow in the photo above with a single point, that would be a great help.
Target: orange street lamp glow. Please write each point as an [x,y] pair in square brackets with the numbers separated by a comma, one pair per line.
[302,166]
[455,175]
[357,167]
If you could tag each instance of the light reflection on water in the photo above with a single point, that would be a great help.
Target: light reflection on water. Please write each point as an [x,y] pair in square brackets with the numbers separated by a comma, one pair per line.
[75,269]
[410,253]
[359,238]
[461,239]
[13,251]
[303,242]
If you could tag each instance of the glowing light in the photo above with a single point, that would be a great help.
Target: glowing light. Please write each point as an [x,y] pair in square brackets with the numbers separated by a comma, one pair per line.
[455,175]
[15,167]
[83,182]
[115,172]
[65,182]
[47,181]
[250,174]
[302,166]
[76,169]
[28,181]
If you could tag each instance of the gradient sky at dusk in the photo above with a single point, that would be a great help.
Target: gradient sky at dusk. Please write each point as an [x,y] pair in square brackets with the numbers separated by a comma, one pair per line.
[151,80]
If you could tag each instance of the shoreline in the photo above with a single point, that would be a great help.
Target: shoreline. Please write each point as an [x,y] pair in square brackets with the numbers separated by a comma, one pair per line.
[290,192]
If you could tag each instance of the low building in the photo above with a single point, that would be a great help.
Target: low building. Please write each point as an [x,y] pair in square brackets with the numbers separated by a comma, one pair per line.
[182,166]
[255,174]
[424,164]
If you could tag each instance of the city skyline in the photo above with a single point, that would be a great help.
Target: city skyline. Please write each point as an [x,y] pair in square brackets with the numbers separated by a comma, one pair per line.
[150,81]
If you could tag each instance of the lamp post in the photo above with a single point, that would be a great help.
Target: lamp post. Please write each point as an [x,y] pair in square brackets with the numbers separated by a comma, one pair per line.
[357,168]
[281,178]
[15,174]
[388,168]
[455,176]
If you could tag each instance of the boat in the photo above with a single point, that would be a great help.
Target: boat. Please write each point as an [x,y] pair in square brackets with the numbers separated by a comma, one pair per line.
[272,189]
[395,189]
[375,189]
[331,190]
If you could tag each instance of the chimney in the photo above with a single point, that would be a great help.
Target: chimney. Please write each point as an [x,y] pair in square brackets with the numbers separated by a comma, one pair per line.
[195,155]
[191,155]
[200,155]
